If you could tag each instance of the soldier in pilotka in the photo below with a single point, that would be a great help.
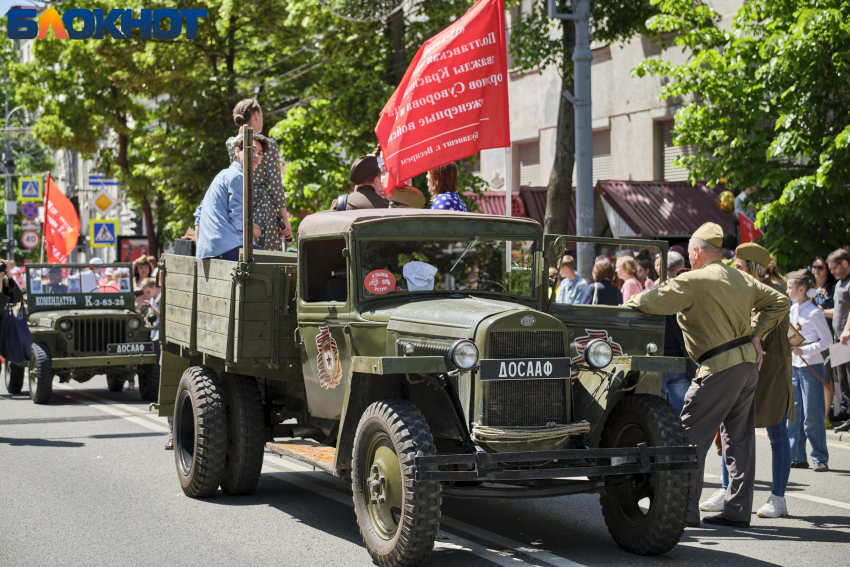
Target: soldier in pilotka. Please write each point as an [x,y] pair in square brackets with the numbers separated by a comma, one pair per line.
[713,303]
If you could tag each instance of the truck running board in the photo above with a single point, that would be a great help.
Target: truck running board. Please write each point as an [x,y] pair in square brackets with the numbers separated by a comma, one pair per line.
[307,451]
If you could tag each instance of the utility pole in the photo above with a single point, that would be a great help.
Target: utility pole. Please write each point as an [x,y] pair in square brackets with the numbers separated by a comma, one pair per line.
[582,58]
[9,164]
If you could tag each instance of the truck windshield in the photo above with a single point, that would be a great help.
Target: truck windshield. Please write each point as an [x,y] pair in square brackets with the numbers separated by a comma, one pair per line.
[61,280]
[467,265]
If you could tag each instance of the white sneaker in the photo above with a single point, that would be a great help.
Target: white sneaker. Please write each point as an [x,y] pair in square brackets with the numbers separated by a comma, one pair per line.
[714,502]
[773,508]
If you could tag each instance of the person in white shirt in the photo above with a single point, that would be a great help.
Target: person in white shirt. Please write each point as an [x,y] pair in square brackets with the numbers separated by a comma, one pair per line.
[807,363]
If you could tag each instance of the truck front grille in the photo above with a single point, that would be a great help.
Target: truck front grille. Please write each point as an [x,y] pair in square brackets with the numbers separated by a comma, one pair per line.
[92,335]
[526,403]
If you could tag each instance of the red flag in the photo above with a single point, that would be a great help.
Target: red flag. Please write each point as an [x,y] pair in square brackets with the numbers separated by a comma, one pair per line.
[749,232]
[61,224]
[453,100]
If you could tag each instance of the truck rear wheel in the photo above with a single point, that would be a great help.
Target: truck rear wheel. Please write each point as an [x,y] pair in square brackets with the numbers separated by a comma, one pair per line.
[41,374]
[200,436]
[115,382]
[658,528]
[243,405]
[149,382]
[14,377]
[398,516]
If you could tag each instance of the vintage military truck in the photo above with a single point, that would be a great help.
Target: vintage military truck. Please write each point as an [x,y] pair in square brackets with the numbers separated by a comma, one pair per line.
[83,325]
[418,353]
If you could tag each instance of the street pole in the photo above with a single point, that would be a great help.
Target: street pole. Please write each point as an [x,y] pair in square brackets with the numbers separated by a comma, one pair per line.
[582,58]
[10,168]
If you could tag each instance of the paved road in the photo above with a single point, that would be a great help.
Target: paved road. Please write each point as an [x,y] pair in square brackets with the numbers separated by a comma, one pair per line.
[85,481]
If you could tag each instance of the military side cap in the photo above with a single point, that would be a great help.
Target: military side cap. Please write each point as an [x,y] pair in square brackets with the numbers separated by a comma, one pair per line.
[711,233]
[408,196]
[364,169]
[753,252]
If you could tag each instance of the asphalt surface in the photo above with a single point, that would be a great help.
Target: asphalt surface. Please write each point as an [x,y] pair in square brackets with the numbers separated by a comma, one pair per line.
[86,481]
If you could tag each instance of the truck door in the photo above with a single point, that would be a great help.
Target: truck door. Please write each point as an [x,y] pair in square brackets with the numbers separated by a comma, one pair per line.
[324,309]
[627,330]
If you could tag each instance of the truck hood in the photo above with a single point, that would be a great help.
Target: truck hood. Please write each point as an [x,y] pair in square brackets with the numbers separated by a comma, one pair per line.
[456,318]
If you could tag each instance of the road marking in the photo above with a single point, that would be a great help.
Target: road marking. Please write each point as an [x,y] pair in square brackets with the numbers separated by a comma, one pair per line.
[817,499]
[846,447]
[476,549]
[117,409]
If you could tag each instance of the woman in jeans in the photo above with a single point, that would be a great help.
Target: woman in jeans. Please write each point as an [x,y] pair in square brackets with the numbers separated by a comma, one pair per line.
[810,407]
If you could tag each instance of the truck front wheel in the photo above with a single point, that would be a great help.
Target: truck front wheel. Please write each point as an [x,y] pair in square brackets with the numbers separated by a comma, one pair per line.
[398,516]
[149,382]
[245,434]
[40,374]
[646,515]
[115,382]
[200,436]
[14,377]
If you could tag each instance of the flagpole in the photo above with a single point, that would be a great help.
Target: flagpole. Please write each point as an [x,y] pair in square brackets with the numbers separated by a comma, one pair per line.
[44,232]
[508,204]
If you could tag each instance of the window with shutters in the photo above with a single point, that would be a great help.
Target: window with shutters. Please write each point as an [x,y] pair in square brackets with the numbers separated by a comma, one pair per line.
[527,170]
[666,153]
[601,155]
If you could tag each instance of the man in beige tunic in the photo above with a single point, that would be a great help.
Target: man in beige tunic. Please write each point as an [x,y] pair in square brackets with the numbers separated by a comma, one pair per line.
[713,303]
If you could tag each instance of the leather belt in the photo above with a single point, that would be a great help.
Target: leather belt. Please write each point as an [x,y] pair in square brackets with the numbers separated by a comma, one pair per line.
[722,348]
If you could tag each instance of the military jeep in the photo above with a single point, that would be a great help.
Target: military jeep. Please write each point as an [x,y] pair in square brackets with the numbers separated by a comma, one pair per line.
[418,353]
[83,325]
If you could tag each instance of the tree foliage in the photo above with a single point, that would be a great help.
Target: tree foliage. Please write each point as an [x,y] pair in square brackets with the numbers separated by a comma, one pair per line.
[772,110]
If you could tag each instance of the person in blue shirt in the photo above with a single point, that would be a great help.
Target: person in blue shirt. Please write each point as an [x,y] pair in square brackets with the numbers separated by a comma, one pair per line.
[220,214]
[572,285]
[442,183]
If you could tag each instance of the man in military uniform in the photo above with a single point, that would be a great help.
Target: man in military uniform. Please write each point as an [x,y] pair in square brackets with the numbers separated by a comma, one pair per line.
[55,283]
[713,303]
[366,176]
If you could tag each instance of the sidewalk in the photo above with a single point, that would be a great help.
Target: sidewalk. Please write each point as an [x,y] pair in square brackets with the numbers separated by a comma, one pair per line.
[841,437]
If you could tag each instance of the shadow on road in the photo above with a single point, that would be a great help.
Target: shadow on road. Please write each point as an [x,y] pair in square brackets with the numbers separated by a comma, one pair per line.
[39,442]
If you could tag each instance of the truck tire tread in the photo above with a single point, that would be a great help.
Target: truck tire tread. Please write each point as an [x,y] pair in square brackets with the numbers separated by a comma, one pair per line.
[41,386]
[245,435]
[14,376]
[149,382]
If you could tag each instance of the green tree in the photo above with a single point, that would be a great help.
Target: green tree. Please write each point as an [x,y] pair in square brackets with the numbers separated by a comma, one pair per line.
[537,42]
[772,110]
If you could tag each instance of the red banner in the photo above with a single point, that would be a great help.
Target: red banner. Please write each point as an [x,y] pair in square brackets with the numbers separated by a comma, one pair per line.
[749,232]
[61,224]
[453,100]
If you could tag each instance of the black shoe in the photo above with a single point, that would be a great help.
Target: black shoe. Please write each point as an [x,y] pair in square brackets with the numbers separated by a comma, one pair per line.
[843,427]
[841,416]
[719,520]
[800,465]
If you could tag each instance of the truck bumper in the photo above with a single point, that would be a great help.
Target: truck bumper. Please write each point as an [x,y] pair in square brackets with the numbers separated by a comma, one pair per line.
[529,465]
[98,361]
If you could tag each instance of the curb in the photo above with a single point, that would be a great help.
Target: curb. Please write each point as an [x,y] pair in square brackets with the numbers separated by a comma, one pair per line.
[841,436]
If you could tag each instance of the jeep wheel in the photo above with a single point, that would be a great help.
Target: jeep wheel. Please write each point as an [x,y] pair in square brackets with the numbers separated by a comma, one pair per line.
[149,382]
[243,408]
[115,382]
[398,516]
[40,374]
[199,432]
[14,376]
[657,528]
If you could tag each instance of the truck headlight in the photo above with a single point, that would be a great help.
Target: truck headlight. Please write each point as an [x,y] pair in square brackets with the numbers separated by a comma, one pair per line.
[598,353]
[65,325]
[134,323]
[464,354]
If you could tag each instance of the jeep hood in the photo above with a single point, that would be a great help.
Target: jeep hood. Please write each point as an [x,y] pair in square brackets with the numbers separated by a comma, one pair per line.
[456,318]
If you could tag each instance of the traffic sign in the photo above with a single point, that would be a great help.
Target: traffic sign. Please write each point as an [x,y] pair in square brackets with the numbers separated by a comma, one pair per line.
[30,239]
[101,181]
[103,233]
[30,189]
[29,210]
[31,225]
[103,202]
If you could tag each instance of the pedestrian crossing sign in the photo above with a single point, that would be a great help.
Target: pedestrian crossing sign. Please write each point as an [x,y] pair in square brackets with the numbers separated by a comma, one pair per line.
[103,233]
[30,189]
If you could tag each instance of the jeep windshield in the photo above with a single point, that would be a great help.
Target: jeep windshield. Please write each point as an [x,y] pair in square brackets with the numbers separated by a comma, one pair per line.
[79,285]
[473,265]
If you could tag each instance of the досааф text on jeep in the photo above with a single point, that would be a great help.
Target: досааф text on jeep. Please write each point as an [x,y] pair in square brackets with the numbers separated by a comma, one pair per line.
[418,353]
[83,325]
